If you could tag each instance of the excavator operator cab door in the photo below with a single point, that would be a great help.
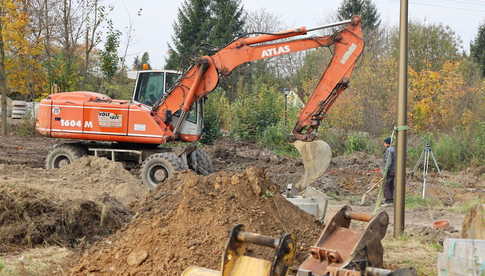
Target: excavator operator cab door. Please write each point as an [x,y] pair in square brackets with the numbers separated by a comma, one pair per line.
[151,85]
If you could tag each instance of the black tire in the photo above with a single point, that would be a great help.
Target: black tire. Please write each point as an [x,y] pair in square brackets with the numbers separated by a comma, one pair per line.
[63,155]
[158,168]
[200,162]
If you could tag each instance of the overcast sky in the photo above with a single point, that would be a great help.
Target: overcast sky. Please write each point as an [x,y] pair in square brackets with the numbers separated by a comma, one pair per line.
[152,19]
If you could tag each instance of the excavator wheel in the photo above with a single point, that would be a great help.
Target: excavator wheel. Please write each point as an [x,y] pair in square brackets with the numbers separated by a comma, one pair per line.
[63,155]
[200,162]
[158,168]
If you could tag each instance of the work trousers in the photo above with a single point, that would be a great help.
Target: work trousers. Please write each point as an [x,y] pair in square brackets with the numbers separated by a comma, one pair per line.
[389,187]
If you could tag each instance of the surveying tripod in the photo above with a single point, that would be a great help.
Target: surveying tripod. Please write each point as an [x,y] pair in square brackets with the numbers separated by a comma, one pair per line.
[424,160]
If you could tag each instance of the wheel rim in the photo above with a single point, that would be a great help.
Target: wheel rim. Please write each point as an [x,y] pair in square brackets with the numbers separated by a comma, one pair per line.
[61,161]
[157,174]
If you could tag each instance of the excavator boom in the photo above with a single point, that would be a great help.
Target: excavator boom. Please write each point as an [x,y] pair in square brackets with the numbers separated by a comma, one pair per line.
[203,77]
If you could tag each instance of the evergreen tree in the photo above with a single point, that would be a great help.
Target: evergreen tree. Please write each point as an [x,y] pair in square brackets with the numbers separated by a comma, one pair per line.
[227,21]
[145,59]
[477,48]
[109,56]
[136,64]
[365,8]
[191,31]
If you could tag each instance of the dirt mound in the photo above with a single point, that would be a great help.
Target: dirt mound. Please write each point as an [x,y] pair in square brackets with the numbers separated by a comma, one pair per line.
[349,174]
[430,235]
[103,175]
[187,223]
[87,178]
[33,217]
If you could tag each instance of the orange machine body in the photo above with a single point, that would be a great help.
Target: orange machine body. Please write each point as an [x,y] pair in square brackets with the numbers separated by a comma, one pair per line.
[94,116]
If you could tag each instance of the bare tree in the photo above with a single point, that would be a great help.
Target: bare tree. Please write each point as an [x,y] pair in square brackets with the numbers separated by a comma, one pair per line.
[94,15]
[3,84]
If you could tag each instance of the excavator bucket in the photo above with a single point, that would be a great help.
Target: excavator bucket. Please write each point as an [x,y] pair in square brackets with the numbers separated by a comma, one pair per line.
[235,261]
[316,156]
[345,250]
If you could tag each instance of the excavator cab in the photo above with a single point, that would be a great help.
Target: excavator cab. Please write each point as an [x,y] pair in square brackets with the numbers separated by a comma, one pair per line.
[151,85]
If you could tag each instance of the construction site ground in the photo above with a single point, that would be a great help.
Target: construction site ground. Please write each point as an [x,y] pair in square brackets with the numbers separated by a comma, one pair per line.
[93,217]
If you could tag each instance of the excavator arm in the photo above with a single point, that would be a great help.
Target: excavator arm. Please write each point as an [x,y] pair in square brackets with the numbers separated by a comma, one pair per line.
[203,77]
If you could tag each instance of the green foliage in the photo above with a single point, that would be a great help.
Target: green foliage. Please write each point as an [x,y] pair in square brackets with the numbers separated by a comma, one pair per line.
[357,142]
[64,73]
[430,45]
[336,139]
[202,25]
[365,8]
[415,201]
[226,21]
[119,88]
[275,137]
[212,121]
[477,48]
[109,56]
[455,150]
[190,33]
[256,111]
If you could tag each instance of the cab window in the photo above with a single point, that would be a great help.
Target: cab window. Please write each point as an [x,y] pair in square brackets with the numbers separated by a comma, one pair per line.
[171,79]
[150,87]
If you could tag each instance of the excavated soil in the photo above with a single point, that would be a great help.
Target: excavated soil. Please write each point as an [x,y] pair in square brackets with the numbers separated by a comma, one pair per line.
[347,175]
[27,151]
[87,178]
[33,217]
[187,221]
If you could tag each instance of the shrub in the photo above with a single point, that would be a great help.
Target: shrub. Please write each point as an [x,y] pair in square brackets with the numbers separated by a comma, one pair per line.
[256,111]
[212,122]
[275,137]
[26,127]
[356,142]
[455,150]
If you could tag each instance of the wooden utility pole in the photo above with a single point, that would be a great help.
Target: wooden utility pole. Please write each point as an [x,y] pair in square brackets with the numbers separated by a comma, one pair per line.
[3,84]
[400,191]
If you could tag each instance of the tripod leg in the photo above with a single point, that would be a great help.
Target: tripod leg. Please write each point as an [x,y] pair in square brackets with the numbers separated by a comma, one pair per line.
[435,163]
[425,172]
[417,163]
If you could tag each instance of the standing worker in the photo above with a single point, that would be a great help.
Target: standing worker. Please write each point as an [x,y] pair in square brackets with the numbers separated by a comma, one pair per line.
[389,171]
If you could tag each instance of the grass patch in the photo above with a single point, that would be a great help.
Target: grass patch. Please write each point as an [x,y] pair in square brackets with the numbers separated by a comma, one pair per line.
[407,252]
[465,206]
[414,201]
[452,184]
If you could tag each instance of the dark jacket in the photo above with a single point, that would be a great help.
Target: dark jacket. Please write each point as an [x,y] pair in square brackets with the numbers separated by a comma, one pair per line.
[390,160]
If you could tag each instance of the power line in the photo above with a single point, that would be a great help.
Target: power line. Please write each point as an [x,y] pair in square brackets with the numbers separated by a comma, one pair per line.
[470,10]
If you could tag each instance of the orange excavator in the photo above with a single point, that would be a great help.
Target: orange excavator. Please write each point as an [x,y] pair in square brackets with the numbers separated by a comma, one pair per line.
[164,110]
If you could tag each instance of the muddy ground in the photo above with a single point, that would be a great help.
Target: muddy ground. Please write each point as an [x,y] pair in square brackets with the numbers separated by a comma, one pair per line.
[106,186]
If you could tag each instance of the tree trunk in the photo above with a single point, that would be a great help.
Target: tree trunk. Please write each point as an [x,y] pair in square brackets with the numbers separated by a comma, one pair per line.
[3,84]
